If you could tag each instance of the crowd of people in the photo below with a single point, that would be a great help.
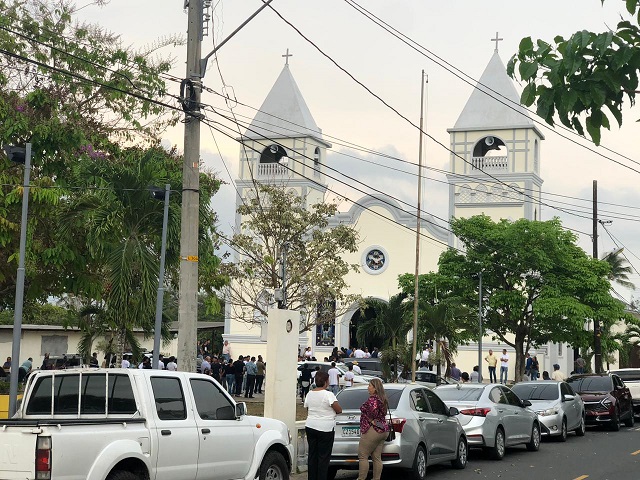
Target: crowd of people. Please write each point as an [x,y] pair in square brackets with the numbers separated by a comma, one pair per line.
[339,354]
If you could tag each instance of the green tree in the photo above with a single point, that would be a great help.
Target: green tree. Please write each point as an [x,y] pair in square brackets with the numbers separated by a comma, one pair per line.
[62,87]
[538,285]
[392,321]
[620,269]
[315,268]
[582,79]
[122,240]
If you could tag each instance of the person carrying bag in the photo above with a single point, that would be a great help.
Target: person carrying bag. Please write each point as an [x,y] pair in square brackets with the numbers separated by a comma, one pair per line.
[374,430]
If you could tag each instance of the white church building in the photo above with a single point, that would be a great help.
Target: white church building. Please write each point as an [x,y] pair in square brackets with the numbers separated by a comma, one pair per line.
[493,139]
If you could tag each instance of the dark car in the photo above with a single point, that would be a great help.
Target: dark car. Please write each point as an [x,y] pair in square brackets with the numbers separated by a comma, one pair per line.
[368,366]
[607,399]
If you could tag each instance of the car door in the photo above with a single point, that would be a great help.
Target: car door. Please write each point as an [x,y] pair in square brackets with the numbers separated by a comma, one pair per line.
[522,418]
[177,438]
[623,395]
[571,408]
[426,420]
[226,443]
[446,428]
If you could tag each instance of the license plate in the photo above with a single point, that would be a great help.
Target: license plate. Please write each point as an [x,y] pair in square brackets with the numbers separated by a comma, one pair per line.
[350,431]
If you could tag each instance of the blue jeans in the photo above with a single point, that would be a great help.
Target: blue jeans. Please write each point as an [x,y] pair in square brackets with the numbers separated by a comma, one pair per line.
[503,374]
[334,388]
[230,383]
[492,375]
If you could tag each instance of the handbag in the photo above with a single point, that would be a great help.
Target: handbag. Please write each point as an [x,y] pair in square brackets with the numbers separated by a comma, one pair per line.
[391,436]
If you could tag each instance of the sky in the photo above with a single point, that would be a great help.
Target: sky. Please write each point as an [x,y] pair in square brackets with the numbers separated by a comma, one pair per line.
[458,33]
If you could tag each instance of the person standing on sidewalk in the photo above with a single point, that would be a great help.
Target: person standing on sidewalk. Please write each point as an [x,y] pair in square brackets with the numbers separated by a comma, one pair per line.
[322,407]
[229,373]
[238,372]
[492,360]
[252,371]
[334,378]
[262,367]
[504,366]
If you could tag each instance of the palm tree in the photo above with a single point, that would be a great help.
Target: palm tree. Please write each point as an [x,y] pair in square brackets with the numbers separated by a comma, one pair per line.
[392,321]
[620,268]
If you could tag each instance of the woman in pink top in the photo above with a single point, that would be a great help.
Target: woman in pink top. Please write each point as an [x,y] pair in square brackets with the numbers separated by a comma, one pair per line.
[374,429]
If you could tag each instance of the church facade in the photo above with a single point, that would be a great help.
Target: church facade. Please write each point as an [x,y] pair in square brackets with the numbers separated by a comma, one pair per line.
[494,170]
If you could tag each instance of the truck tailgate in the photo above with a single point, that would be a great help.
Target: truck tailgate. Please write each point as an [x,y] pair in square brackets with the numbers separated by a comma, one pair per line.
[18,452]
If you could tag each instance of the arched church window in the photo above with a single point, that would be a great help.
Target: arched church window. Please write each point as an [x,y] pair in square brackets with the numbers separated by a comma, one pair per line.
[273,154]
[326,321]
[464,194]
[490,154]
[316,161]
[536,156]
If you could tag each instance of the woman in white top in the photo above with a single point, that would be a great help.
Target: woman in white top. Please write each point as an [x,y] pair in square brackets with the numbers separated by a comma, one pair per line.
[322,407]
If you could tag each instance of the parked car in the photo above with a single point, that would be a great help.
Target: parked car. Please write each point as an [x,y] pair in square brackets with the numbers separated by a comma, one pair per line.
[136,424]
[631,378]
[560,410]
[427,378]
[493,417]
[368,366]
[427,431]
[325,366]
[607,400]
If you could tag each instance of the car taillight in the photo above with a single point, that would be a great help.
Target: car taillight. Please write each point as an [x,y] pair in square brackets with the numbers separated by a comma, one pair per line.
[476,412]
[43,458]
[398,424]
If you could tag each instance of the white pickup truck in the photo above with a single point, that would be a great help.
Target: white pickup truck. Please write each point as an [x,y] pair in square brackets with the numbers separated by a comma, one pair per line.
[120,424]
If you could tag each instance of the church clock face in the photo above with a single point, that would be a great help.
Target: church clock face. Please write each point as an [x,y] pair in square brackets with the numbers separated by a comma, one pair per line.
[375,260]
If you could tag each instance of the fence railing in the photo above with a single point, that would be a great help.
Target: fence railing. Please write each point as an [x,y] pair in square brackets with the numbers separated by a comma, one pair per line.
[490,164]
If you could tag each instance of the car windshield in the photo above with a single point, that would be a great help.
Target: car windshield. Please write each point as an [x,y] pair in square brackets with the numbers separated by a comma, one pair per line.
[426,377]
[352,399]
[629,375]
[591,384]
[535,391]
[460,395]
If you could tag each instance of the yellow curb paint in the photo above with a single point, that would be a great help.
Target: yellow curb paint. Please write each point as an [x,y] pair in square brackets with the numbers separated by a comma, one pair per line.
[636,452]
[581,477]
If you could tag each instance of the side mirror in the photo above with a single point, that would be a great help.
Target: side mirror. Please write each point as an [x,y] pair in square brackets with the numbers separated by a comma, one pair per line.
[453,411]
[567,398]
[526,403]
[241,409]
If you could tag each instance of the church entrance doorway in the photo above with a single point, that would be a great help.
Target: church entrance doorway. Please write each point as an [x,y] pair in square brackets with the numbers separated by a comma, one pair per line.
[357,319]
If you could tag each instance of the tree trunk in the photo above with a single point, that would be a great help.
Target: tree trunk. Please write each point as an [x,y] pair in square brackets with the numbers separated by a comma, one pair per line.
[519,364]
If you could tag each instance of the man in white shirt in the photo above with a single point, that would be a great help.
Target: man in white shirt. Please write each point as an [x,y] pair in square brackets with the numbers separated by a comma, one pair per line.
[356,368]
[504,366]
[359,353]
[348,377]
[125,361]
[334,378]
[424,357]
[206,364]
[172,366]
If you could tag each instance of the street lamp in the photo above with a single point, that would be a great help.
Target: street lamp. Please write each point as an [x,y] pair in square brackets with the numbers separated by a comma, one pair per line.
[22,156]
[160,194]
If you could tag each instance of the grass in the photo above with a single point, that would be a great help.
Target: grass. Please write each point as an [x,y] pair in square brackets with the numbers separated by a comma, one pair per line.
[257,408]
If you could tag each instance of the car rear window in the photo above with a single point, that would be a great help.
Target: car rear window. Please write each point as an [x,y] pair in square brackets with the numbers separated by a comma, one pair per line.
[535,391]
[352,399]
[591,384]
[629,375]
[460,395]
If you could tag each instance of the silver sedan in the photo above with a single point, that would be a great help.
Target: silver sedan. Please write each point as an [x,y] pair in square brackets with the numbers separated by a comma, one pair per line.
[426,430]
[492,416]
[559,408]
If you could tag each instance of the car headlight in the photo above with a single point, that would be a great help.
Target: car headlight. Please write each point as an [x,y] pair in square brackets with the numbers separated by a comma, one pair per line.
[548,411]
[606,402]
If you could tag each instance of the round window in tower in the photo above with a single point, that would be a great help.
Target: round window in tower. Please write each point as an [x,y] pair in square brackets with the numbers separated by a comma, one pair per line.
[375,260]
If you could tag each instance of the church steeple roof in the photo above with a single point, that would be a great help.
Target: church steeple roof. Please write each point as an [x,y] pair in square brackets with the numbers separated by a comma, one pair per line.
[494,103]
[284,113]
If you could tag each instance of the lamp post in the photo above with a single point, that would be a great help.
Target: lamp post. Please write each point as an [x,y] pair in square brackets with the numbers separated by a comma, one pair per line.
[19,155]
[480,327]
[159,194]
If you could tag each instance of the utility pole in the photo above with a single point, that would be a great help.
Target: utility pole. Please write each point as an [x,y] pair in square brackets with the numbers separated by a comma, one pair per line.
[414,347]
[480,326]
[190,91]
[597,341]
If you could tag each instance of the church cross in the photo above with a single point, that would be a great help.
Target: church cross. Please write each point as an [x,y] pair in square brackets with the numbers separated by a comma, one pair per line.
[493,40]
[286,56]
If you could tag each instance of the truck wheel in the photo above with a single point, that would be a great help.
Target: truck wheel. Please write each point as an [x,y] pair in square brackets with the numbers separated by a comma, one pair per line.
[273,467]
[122,475]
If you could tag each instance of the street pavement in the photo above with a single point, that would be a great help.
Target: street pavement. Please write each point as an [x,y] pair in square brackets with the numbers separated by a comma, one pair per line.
[599,455]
